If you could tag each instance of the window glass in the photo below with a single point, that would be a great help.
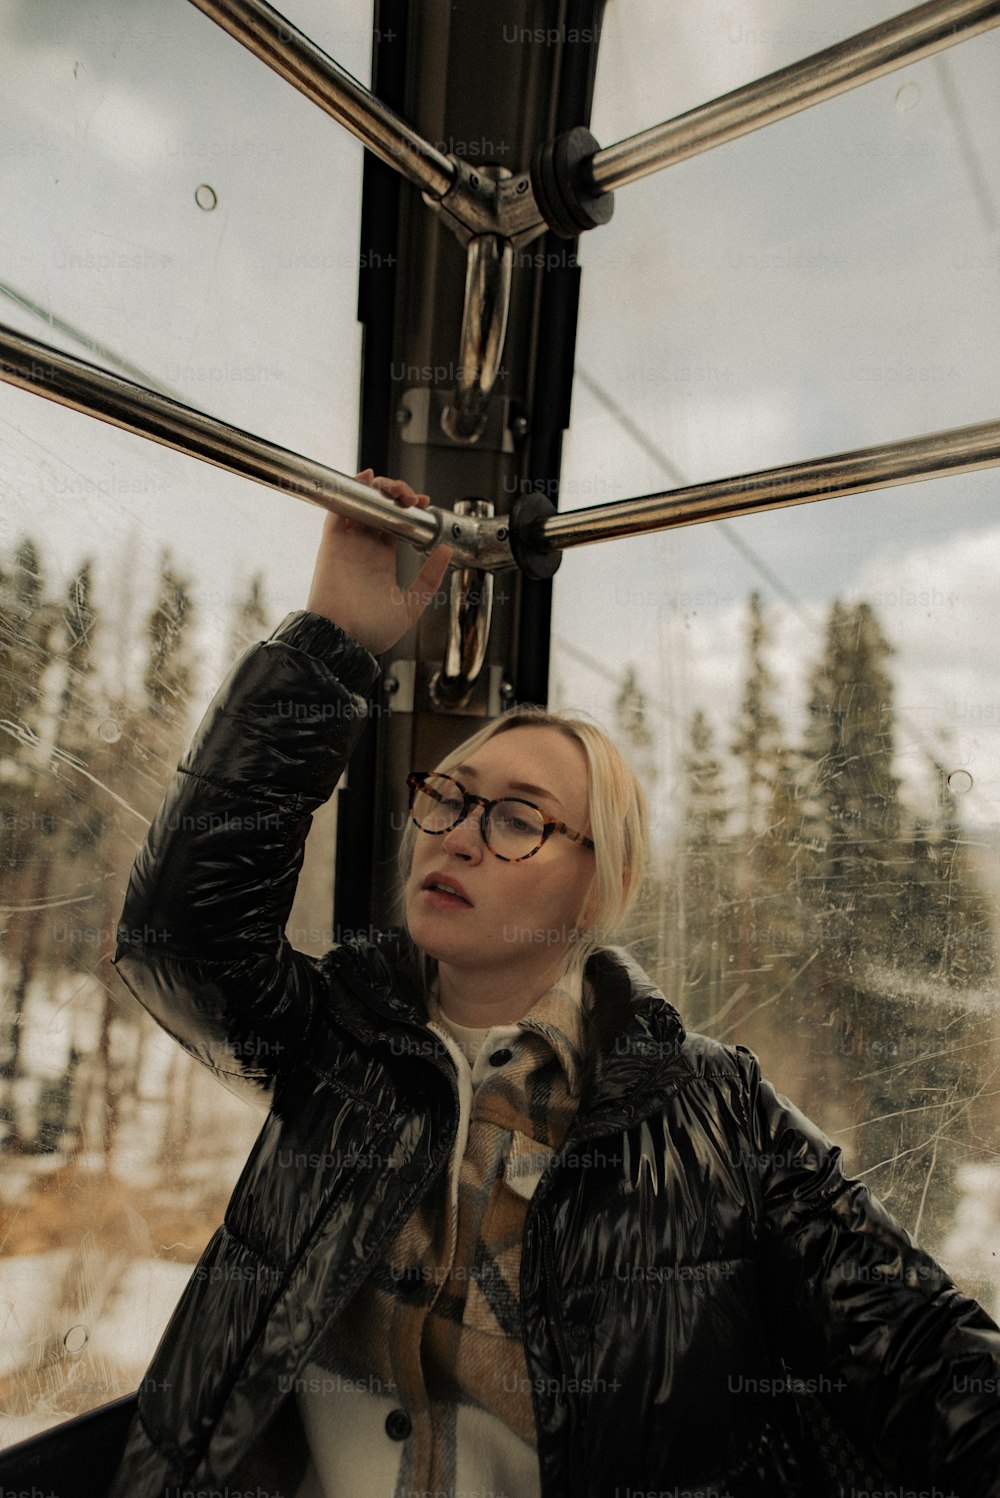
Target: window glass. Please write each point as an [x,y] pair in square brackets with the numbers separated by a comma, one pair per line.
[812,695]
[177,213]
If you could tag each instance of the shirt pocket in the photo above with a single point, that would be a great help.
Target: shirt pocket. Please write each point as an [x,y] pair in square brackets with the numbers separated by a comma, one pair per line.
[494,1284]
[526,1163]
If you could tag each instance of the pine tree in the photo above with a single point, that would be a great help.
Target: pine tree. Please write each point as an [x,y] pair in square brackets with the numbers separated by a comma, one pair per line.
[705,893]
[632,711]
[757,747]
[82,866]
[947,914]
[59,872]
[643,928]
[169,674]
[757,738]
[79,623]
[27,622]
[168,681]
[169,677]
[249,622]
[887,913]
[850,831]
[25,627]
[853,817]
[79,712]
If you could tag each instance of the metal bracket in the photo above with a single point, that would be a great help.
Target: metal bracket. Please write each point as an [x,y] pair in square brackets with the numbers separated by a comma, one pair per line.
[489,200]
[420,412]
[399,686]
[532,552]
[490,261]
[407,688]
[570,204]
[470,611]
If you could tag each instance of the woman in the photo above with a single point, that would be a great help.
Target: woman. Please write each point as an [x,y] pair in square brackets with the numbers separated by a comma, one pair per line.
[506,1230]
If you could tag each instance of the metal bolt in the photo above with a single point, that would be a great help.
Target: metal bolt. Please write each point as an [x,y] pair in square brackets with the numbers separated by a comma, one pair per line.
[520,426]
[522,186]
[473,180]
[403,415]
[507,691]
[456,531]
[390,685]
[502,533]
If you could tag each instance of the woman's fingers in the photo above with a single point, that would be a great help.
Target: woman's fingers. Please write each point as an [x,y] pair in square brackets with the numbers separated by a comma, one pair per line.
[399,490]
[395,489]
[425,585]
[354,582]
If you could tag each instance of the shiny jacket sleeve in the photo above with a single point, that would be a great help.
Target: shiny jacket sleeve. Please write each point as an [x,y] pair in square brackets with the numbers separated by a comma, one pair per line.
[201,943]
[908,1364]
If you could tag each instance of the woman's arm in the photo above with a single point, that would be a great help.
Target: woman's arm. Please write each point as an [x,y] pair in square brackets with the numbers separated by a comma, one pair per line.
[909,1365]
[201,939]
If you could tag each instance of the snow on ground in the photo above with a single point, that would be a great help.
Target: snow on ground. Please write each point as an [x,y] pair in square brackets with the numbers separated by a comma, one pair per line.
[81,1349]
[137,1311]
[57,1305]
[972,1248]
[25,1295]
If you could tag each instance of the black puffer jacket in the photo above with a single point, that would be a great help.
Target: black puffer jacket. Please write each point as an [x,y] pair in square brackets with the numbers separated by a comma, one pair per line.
[693,1242]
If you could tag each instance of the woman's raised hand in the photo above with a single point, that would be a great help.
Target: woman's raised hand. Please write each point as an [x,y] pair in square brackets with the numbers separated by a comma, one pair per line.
[354,581]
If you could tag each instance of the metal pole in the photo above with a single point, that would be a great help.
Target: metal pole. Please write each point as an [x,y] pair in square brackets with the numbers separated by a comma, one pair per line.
[934,456]
[892,44]
[289,52]
[32,365]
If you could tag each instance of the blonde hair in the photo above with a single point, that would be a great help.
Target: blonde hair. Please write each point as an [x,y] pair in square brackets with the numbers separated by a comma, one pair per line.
[618,819]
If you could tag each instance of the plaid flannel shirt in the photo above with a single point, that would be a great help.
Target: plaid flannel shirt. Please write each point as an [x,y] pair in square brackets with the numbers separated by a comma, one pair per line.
[434,1335]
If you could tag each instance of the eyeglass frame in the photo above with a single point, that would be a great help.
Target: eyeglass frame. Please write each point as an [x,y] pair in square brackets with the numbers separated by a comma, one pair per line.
[416,778]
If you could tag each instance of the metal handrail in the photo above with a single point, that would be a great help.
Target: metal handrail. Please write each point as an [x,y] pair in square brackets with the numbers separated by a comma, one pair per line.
[870,54]
[272,38]
[37,367]
[479,542]
[958,450]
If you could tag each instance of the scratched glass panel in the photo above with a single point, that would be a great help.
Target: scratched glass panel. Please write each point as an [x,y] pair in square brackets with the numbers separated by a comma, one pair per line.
[178,214]
[812,695]
[174,212]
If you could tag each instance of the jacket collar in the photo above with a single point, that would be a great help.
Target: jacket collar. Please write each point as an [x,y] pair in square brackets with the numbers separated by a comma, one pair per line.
[559,1019]
[635,1037]
[556,1022]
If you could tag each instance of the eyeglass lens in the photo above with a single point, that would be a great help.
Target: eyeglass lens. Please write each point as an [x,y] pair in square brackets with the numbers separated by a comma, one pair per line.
[513,828]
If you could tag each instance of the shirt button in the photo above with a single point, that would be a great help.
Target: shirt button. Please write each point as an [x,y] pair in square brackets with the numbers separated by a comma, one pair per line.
[410,1279]
[501,1057]
[397,1425]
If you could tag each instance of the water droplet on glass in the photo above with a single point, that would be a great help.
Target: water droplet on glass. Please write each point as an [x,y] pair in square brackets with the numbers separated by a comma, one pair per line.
[75,1339]
[907,97]
[205,197]
[109,730]
[959,781]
